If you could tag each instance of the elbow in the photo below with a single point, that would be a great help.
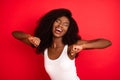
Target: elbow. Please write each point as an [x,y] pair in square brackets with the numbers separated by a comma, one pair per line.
[109,43]
[17,34]
[14,34]
[106,43]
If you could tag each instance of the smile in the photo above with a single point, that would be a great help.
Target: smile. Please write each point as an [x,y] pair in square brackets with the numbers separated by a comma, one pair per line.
[58,30]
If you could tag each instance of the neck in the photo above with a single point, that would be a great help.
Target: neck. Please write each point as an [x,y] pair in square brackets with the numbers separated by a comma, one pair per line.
[57,43]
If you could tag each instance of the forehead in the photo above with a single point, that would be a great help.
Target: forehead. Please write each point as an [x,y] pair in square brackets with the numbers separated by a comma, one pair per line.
[63,18]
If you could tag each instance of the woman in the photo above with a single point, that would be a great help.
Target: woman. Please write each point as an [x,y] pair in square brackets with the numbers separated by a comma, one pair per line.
[57,38]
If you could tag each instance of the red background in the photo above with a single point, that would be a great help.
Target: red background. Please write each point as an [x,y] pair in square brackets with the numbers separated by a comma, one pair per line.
[96,19]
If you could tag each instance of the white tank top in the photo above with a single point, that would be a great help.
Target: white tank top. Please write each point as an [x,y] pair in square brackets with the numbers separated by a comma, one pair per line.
[62,68]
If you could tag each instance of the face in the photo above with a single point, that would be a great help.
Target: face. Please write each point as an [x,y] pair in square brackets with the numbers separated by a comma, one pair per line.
[60,26]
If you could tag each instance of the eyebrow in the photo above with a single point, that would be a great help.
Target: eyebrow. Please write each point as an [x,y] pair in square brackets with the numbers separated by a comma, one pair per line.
[64,22]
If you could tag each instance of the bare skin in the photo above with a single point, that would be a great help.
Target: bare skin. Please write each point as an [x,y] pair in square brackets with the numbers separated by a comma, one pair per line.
[58,45]
[26,38]
[60,27]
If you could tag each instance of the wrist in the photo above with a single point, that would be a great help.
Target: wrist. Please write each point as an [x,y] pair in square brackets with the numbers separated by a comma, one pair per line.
[83,46]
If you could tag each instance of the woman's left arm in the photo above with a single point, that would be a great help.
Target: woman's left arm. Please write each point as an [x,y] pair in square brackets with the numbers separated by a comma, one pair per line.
[88,44]
[94,44]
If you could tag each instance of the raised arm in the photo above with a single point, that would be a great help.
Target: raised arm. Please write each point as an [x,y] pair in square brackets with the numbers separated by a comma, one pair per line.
[94,44]
[26,38]
[87,44]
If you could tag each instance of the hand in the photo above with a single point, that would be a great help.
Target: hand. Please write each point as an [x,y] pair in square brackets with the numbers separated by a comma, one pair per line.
[34,40]
[75,49]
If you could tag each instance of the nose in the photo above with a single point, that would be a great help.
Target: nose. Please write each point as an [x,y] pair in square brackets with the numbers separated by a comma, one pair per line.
[60,24]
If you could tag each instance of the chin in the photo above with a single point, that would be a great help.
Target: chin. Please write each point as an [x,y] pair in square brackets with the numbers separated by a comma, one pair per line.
[58,36]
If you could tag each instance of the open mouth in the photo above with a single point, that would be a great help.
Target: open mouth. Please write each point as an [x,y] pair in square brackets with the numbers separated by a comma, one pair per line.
[58,30]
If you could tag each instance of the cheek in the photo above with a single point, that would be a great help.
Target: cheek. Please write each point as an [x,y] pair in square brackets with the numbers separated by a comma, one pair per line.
[55,24]
[66,29]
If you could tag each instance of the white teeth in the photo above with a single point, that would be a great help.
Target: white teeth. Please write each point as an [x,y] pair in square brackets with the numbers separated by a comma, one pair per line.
[58,29]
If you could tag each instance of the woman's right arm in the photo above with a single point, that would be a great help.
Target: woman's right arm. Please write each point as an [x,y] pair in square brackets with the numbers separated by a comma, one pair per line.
[26,38]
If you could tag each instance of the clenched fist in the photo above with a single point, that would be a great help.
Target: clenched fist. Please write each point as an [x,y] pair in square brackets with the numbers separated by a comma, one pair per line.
[34,40]
[74,49]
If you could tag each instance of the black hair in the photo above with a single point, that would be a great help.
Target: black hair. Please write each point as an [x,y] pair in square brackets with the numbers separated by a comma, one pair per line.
[45,25]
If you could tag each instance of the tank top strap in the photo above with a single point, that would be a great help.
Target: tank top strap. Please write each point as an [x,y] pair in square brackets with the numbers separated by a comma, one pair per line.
[65,50]
[63,54]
